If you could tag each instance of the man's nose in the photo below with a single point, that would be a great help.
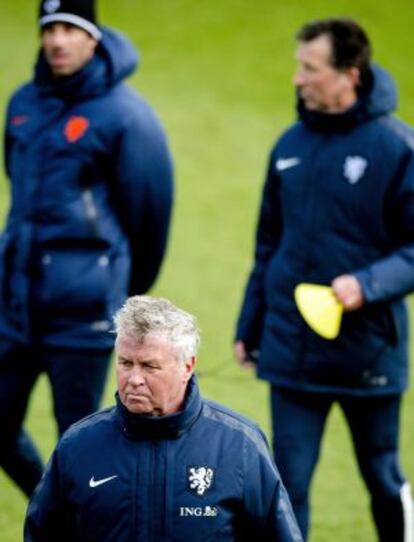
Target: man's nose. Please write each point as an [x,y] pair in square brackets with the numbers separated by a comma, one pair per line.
[58,37]
[136,377]
[298,78]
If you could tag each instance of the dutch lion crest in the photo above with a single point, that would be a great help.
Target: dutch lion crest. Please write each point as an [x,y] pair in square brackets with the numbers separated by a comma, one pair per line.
[200,479]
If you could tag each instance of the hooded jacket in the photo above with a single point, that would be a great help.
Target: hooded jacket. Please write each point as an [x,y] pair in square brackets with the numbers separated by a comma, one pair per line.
[91,196]
[116,476]
[338,198]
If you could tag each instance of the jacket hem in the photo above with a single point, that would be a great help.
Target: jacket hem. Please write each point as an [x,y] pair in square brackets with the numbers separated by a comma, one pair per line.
[310,387]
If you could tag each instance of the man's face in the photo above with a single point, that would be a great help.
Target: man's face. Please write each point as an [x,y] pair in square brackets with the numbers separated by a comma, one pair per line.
[67,48]
[321,86]
[151,380]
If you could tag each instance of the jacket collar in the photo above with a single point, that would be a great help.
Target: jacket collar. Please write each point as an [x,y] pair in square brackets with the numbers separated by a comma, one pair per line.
[379,98]
[88,82]
[170,426]
[333,122]
[115,59]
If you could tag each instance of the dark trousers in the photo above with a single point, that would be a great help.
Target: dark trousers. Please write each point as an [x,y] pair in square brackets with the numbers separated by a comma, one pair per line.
[77,379]
[298,421]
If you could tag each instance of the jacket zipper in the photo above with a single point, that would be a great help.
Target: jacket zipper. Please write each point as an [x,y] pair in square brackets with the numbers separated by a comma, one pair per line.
[91,211]
[310,226]
[153,496]
[135,485]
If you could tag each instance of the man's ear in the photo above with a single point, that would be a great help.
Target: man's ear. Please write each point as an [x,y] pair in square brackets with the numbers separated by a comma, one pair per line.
[189,367]
[354,76]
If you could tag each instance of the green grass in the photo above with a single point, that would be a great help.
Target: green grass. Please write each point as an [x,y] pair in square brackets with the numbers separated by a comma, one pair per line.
[219,74]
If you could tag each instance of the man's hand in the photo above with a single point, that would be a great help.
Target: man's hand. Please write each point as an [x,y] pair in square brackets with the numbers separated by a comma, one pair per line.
[242,356]
[348,291]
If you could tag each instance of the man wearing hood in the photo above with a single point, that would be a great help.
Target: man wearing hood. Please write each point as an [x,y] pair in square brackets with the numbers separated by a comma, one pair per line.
[337,209]
[91,182]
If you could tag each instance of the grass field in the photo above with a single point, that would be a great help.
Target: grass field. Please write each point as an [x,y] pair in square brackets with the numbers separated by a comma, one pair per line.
[219,74]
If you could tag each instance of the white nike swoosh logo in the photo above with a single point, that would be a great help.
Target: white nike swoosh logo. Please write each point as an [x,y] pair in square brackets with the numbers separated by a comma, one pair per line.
[286,163]
[96,483]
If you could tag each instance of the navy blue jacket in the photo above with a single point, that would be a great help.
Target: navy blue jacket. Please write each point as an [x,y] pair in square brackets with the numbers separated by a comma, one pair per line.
[203,474]
[338,198]
[91,195]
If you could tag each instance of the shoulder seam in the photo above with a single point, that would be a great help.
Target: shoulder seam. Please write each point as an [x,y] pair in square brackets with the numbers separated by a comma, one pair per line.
[400,129]
[238,423]
[84,422]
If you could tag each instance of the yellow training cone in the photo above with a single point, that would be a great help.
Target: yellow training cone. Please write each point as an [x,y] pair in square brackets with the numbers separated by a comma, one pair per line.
[320,309]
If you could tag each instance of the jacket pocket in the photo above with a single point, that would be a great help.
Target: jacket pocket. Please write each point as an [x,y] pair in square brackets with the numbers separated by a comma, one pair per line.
[398,320]
[365,337]
[73,281]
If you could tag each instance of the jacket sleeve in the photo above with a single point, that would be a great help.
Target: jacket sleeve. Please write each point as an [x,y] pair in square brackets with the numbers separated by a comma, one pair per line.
[249,326]
[393,276]
[267,506]
[143,193]
[47,513]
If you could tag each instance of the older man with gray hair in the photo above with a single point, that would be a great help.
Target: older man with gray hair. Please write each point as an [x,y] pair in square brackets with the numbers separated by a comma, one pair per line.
[164,464]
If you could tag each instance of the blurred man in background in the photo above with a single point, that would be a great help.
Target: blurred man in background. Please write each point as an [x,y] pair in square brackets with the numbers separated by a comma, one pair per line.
[91,195]
[337,209]
[203,472]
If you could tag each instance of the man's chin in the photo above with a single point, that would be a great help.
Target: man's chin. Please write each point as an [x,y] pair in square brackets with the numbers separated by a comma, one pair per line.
[61,69]
[310,106]
[140,406]
[61,72]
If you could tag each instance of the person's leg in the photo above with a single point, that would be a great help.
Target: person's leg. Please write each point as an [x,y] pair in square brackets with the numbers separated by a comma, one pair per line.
[19,457]
[22,463]
[78,379]
[374,424]
[298,421]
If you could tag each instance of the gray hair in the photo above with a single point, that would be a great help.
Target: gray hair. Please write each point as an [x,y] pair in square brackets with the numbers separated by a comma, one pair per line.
[143,317]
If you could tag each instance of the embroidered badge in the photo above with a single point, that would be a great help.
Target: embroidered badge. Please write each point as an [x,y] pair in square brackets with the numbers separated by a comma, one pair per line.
[200,479]
[50,6]
[75,128]
[18,120]
[354,168]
